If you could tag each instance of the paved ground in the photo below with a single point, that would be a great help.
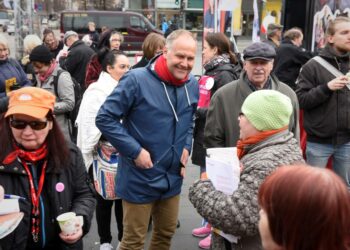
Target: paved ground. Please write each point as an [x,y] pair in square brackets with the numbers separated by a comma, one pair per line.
[183,240]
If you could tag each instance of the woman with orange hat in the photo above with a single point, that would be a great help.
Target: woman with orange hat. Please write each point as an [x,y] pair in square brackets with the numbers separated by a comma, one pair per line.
[45,171]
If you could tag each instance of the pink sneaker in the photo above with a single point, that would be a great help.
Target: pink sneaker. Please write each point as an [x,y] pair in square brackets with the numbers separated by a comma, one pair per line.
[205,243]
[201,232]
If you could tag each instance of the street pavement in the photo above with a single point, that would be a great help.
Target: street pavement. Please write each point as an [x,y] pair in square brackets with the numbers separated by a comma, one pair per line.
[189,219]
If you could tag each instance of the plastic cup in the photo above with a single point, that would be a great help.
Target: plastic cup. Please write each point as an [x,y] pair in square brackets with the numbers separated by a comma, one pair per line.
[67,222]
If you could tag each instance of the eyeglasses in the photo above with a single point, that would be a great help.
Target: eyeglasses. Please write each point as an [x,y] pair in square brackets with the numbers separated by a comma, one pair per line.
[35,125]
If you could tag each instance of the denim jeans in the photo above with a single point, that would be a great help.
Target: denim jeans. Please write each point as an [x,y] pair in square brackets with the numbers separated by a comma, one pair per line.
[318,154]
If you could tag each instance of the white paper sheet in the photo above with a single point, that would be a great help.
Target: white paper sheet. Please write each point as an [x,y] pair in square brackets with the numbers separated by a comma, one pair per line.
[223,169]
[8,206]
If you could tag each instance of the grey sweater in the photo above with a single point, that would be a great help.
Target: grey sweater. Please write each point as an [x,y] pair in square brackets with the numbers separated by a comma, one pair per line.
[238,214]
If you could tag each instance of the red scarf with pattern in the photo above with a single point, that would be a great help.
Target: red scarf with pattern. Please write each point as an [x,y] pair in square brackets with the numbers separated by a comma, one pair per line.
[27,156]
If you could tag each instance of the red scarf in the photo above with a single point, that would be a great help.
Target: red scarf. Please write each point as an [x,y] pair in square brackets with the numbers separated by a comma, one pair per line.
[43,77]
[163,72]
[32,156]
[28,156]
[241,144]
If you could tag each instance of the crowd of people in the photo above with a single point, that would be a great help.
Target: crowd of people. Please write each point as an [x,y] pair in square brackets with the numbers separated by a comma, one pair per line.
[83,130]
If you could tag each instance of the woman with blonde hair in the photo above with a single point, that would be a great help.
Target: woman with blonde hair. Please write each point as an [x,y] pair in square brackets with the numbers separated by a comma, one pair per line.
[153,45]
[29,43]
[12,75]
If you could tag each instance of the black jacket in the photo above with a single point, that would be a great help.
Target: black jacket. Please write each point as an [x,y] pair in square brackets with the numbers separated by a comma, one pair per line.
[288,62]
[326,112]
[142,63]
[77,60]
[223,74]
[77,196]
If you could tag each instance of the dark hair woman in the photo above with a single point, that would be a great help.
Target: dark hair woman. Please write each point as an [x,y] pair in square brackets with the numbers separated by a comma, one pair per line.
[48,172]
[304,208]
[90,140]
[110,40]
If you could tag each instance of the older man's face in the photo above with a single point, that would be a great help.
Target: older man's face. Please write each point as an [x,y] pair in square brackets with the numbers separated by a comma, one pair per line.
[180,56]
[258,71]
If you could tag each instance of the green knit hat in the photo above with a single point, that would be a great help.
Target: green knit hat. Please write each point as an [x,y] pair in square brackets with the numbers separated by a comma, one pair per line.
[267,109]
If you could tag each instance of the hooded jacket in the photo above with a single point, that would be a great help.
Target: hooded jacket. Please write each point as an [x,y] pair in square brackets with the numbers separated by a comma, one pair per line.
[326,112]
[156,116]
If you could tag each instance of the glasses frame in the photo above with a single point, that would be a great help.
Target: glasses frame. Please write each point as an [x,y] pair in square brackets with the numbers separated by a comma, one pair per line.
[34,125]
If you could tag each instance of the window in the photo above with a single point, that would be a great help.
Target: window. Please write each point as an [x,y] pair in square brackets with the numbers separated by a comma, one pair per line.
[136,22]
[113,22]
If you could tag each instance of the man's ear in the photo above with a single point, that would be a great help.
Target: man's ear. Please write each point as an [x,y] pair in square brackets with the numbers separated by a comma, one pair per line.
[165,50]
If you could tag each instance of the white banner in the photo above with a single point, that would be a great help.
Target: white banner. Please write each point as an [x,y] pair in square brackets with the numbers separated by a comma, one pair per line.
[255,35]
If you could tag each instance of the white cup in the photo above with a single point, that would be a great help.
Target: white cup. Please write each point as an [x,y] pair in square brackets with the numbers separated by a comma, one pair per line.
[68,221]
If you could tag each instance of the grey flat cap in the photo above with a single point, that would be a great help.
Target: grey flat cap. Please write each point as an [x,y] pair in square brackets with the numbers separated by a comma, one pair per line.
[259,50]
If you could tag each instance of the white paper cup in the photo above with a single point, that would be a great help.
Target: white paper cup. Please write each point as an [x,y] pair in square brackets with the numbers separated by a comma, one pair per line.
[67,222]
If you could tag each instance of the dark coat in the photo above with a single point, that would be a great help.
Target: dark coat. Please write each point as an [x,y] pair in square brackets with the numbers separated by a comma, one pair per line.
[77,60]
[58,49]
[77,196]
[223,74]
[12,76]
[288,62]
[93,70]
[326,112]
[142,63]
[95,37]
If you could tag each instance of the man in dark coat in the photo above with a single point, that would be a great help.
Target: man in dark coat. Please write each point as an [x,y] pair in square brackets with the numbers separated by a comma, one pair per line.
[290,57]
[78,57]
[325,101]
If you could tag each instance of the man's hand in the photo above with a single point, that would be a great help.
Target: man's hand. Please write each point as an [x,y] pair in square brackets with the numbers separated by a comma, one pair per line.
[338,83]
[72,238]
[184,160]
[143,160]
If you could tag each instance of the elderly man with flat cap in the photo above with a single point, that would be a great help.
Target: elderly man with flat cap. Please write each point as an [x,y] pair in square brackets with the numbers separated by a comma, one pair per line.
[221,128]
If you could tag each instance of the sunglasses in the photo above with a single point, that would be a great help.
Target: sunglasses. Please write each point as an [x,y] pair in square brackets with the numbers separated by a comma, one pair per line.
[35,125]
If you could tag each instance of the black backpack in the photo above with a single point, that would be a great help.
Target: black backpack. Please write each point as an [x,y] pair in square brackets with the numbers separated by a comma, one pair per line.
[78,96]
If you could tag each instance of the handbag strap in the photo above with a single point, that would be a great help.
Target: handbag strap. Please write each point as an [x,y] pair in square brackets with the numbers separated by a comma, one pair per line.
[333,70]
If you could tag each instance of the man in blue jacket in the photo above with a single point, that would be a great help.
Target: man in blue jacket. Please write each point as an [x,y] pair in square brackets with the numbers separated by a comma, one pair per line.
[156,105]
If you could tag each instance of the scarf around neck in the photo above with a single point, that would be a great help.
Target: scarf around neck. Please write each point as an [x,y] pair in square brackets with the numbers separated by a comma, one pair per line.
[27,156]
[43,77]
[220,59]
[164,74]
[242,144]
